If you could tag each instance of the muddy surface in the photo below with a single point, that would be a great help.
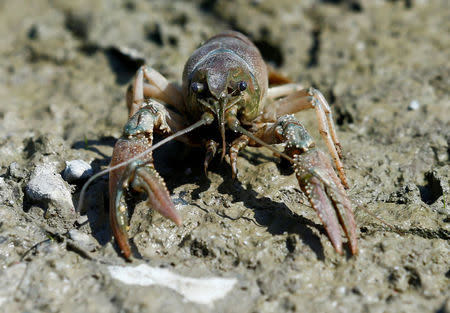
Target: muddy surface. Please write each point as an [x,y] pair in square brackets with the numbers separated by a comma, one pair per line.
[383,65]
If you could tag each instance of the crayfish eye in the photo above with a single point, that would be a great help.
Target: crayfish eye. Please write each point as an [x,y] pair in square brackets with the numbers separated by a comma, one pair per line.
[242,85]
[197,87]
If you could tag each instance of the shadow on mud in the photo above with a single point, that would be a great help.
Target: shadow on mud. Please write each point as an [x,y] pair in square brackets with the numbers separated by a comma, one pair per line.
[174,160]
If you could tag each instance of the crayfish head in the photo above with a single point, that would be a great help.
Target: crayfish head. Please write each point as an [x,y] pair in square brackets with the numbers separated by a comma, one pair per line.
[223,93]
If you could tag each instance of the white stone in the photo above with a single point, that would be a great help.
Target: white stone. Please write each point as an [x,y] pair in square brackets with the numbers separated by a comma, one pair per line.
[199,290]
[83,240]
[76,170]
[414,105]
[47,186]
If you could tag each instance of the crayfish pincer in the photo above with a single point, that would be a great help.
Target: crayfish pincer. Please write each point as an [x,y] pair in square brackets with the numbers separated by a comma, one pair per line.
[225,90]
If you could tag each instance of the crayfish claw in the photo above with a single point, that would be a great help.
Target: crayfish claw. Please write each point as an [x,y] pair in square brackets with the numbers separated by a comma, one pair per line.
[140,175]
[118,216]
[146,179]
[327,196]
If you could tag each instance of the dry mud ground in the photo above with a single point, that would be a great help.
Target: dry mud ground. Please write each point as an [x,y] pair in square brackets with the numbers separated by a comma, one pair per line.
[383,65]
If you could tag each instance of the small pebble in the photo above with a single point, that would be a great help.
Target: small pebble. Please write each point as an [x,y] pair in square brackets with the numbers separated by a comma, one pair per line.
[47,186]
[77,170]
[82,239]
[16,171]
[414,105]
[82,219]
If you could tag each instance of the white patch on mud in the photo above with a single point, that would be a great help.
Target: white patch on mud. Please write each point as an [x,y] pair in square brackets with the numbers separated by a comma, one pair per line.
[199,290]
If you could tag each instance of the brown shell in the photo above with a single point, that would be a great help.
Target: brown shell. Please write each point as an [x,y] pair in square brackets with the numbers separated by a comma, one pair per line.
[210,56]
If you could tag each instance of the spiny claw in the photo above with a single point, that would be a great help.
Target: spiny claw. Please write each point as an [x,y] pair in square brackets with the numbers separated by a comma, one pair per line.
[327,196]
[146,179]
[141,176]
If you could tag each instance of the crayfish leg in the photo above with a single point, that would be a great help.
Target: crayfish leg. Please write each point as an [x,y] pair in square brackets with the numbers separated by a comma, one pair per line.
[293,100]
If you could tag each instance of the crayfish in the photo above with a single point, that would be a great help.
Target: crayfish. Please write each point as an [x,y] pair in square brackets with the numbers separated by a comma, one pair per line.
[225,93]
